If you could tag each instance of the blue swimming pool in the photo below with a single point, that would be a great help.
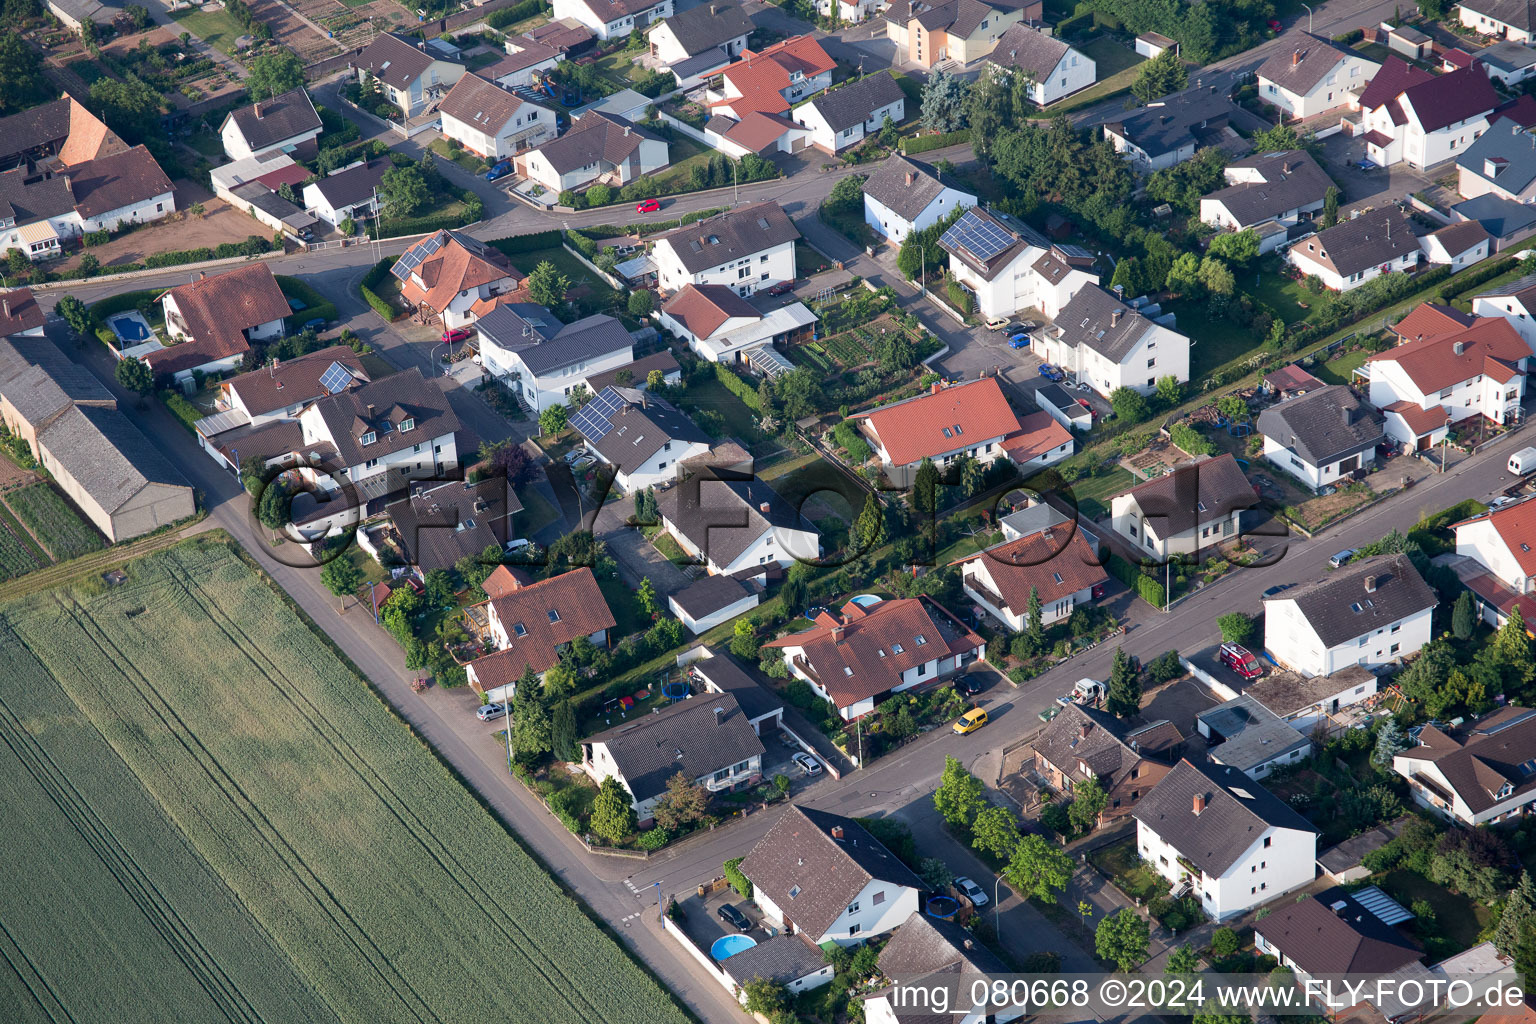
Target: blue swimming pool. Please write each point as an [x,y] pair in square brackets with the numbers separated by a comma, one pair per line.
[729,945]
[131,327]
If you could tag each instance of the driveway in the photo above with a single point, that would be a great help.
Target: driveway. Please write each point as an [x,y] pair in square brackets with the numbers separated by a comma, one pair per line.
[1341,158]
[637,559]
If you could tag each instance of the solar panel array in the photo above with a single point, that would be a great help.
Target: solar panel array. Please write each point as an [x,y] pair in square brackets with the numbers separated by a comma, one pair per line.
[595,419]
[335,379]
[1076,252]
[414,257]
[981,238]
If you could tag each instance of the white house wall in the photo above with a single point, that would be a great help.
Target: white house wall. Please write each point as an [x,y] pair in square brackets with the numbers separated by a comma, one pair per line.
[744,275]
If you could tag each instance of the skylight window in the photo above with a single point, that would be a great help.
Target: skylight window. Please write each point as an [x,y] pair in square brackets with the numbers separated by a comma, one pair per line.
[518,629]
[847,671]
[882,652]
[896,648]
[1356,608]
[554,616]
[1056,576]
[794,891]
[921,639]
[1200,506]
[947,433]
[958,430]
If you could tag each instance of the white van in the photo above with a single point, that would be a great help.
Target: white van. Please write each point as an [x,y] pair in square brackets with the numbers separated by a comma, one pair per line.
[1523,461]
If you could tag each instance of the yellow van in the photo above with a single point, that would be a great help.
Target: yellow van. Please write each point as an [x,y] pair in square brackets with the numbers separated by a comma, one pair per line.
[971,721]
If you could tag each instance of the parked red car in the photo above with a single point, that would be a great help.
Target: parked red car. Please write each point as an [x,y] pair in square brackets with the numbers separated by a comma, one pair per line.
[649,206]
[1240,660]
[457,335]
[782,288]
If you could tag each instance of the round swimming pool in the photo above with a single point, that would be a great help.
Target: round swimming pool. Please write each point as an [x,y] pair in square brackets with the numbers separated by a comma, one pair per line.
[865,600]
[729,945]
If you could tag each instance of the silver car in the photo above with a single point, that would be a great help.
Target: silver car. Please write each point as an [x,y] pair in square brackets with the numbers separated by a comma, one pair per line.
[808,764]
[973,892]
[490,712]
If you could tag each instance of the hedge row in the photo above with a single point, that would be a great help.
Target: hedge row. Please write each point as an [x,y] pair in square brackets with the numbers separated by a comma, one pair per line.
[185,412]
[315,304]
[372,280]
[1147,588]
[923,143]
[254,245]
[1474,276]
[648,228]
[738,387]
[516,13]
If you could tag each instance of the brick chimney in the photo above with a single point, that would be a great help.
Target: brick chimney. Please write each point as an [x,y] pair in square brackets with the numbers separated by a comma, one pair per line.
[1084,729]
[1295,57]
[1370,584]
[763,507]
[911,177]
[936,387]
[837,633]
[837,832]
[1201,800]
[1114,317]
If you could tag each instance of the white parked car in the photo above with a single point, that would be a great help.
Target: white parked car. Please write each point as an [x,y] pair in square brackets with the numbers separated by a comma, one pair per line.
[808,764]
[973,892]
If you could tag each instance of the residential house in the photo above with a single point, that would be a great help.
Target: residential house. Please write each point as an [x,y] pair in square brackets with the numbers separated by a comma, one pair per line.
[1507,222]
[20,315]
[1343,863]
[406,73]
[1305,702]
[1374,611]
[844,116]
[1057,564]
[1197,506]
[719,672]
[1055,70]
[526,63]
[1010,266]
[212,321]
[1082,744]
[705,604]
[698,43]
[1283,187]
[637,374]
[349,194]
[644,438]
[1457,245]
[928,946]
[1353,252]
[455,276]
[747,248]
[737,526]
[610,18]
[824,876]
[1168,131]
[1501,542]
[1041,441]
[597,148]
[1507,62]
[793,961]
[947,423]
[722,327]
[493,122]
[1411,116]
[94,453]
[1333,933]
[532,625]
[849,12]
[439,524]
[707,739]
[1427,384]
[1315,76]
[61,128]
[772,80]
[1515,302]
[288,124]
[1478,773]
[901,197]
[1212,832]
[1502,19]
[756,132]
[1502,162]
[1322,437]
[626,105]
[963,31]
[1431,320]
[567,35]
[858,657]
[542,360]
[41,210]
[1060,405]
[1109,343]
[1245,735]
[280,390]
[1290,381]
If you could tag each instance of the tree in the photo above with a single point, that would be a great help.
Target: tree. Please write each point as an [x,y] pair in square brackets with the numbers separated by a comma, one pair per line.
[275,72]
[613,816]
[1184,275]
[1236,627]
[732,871]
[341,577]
[1233,408]
[1463,616]
[1281,136]
[1215,277]
[743,640]
[559,681]
[655,380]
[532,735]
[1034,622]
[439,587]
[960,795]
[546,285]
[944,102]
[562,735]
[847,196]
[972,475]
[553,420]
[1169,390]
[1129,404]
[1224,943]
[995,831]
[1038,868]
[1088,802]
[599,195]
[935,873]
[1330,207]
[276,500]
[404,191]
[767,999]
[800,392]
[1123,698]
[1183,960]
[1160,76]
[641,302]
[506,459]
[135,376]
[869,528]
[682,804]
[22,84]
[1517,915]
[1123,938]
[1240,247]
[76,314]
[1390,741]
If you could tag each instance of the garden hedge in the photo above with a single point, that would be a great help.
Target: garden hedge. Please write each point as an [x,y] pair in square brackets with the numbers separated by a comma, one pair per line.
[924,143]
[738,387]
[372,280]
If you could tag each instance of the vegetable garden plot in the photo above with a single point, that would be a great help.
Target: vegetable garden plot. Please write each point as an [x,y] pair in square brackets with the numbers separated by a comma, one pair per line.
[15,560]
[57,526]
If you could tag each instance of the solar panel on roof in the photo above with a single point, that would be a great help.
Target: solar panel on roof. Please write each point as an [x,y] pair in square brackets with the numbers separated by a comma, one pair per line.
[335,379]
[411,258]
[430,246]
[981,238]
[401,271]
[595,419]
[1076,251]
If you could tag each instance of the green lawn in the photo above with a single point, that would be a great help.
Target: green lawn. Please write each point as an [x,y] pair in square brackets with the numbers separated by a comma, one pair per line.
[1106,53]
[463,157]
[591,291]
[666,546]
[218,29]
[740,421]
[1217,341]
[1110,56]
[619,69]
[1124,866]
[1339,370]
[1093,492]
[537,513]
[1459,919]
[1284,295]
[685,154]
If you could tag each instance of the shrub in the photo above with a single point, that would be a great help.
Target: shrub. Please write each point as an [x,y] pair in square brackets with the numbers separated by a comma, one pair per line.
[653,839]
[738,880]
[516,13]
[372,280]
[924,143]
[1151,591]
[738,387]
[185,412]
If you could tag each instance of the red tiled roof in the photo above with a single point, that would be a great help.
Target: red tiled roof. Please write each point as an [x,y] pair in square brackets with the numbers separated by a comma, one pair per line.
[573,598]
[1456,57]
[942,421]
[497,669]
[1291,378]
[1431,320]
[1491,345]
[504,579]
[701,309]
[218,310]
[1521,110]
[1419,419]
[761,77]
[1516,527]
[757,130]
[452,269]
[1390,80]
[1038,434]
[293,174]
[1056,562]
[1376,138]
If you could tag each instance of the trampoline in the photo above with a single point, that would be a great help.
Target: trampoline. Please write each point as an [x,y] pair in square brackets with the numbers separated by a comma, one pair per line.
[675,691]
[727,946]
[943,907]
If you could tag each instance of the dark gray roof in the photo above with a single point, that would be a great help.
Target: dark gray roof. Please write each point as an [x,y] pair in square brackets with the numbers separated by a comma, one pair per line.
[1339,607]
[1174,122]
[1515,13]
[1332,932]
[688,737]
[1194,494]
[730,236]
[851,104]
[707,26]
[1237,812]
[1102,321]
[709,595]
[889,185]
[353,185]
[1028,49]
[1506,55]
[107,455]
[722,518]
[803,855]
[395,60]
[1369,240]
[595,137]
[640,427]
[1325,425]
[699,63]
[279,119]
[42,125]
[49,197]
[723,672]
[1251,735]
[1352,851]
[1302,66]
[440,525]
[549,345]
[783,958]
[953,17]
[1510,147]
[1086,735]
[1500,217]
[78,383]
[393,399]
[1292,180]
[925,945]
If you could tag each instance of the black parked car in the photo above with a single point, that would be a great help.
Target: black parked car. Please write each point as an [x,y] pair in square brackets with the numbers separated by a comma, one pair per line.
[968,686]
[733,917]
